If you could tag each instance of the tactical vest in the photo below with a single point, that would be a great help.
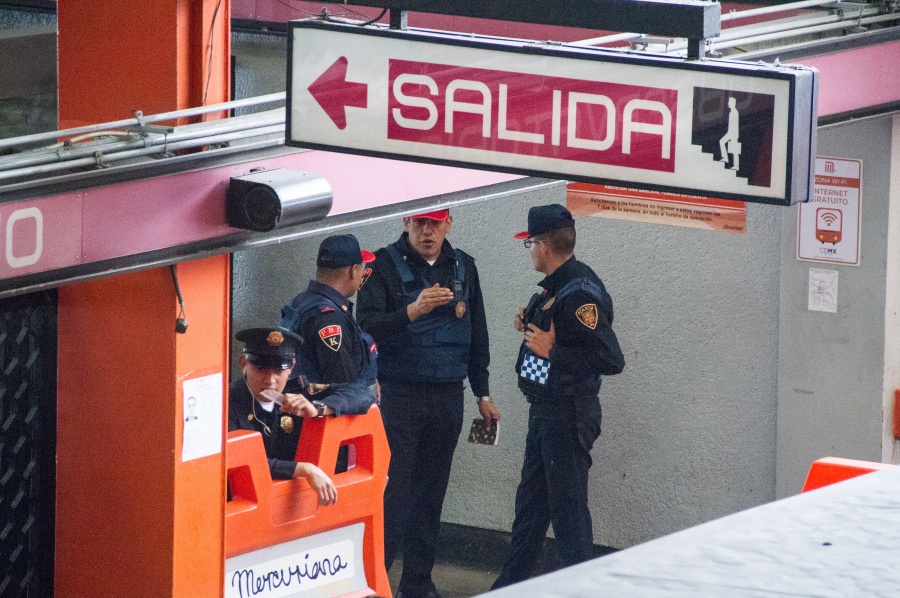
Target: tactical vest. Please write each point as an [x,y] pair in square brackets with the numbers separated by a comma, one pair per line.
[294,317]
[534,370]
[434,346]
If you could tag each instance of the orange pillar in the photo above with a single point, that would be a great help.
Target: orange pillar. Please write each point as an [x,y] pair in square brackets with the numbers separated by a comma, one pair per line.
[132,518]
[155,56]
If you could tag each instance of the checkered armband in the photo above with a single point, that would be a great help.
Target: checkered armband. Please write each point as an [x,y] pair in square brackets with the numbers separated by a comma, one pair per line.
[535,368]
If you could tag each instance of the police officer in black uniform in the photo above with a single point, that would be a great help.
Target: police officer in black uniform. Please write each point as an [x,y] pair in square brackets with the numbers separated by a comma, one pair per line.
[568,345]
[335,349]
[257,402]
[423,305]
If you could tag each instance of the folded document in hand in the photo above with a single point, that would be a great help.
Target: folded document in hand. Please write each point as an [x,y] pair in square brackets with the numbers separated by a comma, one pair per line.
[479,435]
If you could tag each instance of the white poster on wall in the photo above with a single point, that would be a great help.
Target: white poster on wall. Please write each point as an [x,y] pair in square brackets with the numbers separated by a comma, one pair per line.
[828,228]
[202,417]
[823,290]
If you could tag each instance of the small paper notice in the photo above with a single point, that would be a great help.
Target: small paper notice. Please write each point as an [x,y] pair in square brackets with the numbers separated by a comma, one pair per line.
[202,417]
[823,290]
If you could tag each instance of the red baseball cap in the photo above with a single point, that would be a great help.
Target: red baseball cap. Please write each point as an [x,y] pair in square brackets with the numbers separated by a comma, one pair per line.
[439,215]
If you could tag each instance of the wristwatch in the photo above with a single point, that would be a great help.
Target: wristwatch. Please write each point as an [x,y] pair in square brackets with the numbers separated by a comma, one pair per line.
[320,406]
[485,398]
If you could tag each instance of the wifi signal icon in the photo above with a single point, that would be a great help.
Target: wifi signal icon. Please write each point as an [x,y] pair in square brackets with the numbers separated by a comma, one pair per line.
[829,225]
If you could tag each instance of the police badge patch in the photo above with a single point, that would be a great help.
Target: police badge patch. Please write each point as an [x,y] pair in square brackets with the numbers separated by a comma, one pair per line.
[331,336]
[587,315]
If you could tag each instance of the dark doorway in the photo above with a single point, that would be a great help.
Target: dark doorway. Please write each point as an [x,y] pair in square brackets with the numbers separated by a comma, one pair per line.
[27,444]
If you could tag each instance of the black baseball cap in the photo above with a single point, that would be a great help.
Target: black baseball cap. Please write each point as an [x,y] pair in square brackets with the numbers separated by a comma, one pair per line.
[271,348]
[338,251]
[543,219]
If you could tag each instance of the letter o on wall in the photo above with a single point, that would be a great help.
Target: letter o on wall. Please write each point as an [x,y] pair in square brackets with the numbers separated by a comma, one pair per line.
[35,255]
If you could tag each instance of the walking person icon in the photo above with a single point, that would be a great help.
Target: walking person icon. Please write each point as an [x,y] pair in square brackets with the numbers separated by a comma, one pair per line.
[729,143]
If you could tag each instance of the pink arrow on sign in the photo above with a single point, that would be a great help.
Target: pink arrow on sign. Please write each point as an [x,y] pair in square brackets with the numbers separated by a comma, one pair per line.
[334,93]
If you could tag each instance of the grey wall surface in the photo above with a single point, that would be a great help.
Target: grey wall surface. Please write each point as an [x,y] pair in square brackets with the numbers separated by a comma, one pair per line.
[831,366]
[689,429]
[260,66]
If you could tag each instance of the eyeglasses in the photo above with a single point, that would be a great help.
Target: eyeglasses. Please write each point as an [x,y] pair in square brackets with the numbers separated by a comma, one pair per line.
[530,241]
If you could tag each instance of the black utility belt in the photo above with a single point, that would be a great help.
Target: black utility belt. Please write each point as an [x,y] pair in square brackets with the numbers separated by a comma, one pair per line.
[571,391]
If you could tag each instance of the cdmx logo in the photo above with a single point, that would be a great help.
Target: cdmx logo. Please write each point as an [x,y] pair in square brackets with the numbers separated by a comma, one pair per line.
[736,128]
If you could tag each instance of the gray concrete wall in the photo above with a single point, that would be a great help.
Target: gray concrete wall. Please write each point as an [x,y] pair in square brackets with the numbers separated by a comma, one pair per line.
[890,446]
[689,429]
[831,366]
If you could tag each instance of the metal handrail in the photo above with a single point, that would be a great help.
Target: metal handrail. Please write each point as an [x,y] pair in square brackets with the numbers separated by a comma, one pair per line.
[140,120]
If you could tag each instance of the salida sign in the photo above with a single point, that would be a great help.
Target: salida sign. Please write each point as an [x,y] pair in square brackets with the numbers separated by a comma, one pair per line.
[735,130]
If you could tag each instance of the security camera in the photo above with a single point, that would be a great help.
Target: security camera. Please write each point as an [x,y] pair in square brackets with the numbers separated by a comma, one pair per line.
[266,200]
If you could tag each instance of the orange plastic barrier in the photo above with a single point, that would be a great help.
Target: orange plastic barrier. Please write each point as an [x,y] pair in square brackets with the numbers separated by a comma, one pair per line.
[831,470]
[265,512]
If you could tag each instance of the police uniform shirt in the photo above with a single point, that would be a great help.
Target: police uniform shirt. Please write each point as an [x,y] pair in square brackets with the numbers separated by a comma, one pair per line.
[284,429]
[586,345]
[381,306]
[331,338]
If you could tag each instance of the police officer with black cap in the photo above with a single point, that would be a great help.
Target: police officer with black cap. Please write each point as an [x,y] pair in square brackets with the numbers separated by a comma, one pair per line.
[335,348]
[257,402]
[568,346]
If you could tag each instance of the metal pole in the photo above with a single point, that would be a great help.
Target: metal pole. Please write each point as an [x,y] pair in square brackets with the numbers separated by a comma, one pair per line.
[846,24]
[135,122]
[753,12]
[67,154]
[733,15]
[101,158]
[742,34]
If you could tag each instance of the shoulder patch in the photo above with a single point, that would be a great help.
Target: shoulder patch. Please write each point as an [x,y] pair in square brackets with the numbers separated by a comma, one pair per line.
[331,336]
[587,315]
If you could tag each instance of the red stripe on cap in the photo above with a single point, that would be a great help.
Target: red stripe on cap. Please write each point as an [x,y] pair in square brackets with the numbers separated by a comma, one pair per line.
[436,215]
[367,256]
[522,235]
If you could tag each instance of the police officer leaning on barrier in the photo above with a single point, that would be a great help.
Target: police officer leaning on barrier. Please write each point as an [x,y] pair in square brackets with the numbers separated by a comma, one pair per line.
[568,345]
[423,305]
[257,402]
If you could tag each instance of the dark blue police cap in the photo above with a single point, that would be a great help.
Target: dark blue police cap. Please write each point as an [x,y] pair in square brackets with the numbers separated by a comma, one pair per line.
[543,219]
[271,348]
[338,251]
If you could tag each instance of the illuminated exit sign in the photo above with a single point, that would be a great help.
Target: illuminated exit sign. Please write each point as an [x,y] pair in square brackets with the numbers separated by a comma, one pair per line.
[711,127]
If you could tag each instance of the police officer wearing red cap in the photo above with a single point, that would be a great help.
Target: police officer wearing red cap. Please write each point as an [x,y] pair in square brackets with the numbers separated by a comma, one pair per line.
[335,348]
[568,346]
[257,402]
[423,305]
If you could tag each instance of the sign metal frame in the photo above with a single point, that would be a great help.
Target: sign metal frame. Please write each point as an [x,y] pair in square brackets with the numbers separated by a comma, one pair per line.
[799,120]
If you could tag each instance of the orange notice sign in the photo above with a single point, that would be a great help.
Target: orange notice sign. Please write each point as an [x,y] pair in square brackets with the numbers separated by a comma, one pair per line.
[657,207]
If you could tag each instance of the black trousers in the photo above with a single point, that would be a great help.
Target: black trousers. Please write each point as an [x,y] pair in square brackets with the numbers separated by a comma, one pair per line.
[423,423]
[553,488]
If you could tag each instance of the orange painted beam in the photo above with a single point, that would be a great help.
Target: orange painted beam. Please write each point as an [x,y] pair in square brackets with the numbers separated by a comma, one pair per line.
[155,56]
[130,513]
[132,518]
[115,473]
